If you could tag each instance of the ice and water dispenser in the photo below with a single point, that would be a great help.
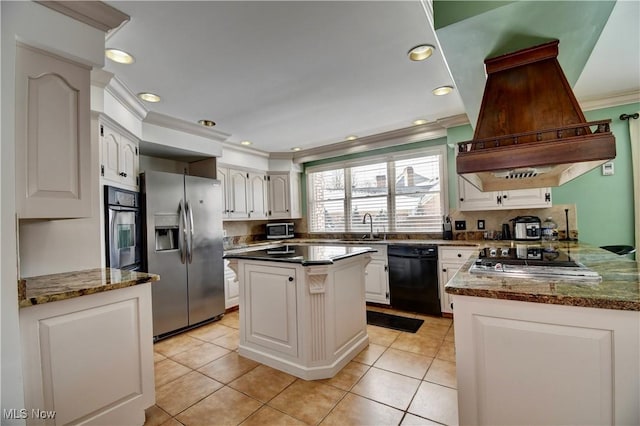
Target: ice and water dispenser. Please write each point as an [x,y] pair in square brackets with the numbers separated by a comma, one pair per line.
[167,231]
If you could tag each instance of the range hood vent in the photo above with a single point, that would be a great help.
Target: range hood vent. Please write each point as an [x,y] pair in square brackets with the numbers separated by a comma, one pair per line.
[531,132]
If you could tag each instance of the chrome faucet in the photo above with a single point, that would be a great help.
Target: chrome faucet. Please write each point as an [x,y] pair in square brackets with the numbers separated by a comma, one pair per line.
[364,220]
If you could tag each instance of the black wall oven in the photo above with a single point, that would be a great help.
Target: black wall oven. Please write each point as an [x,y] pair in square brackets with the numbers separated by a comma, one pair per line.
[123,230]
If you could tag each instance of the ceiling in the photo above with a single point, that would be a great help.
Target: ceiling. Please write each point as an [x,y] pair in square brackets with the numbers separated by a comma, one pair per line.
[308,74]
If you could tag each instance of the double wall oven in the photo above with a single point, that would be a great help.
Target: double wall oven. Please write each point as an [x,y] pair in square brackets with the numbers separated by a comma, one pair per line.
[123,231]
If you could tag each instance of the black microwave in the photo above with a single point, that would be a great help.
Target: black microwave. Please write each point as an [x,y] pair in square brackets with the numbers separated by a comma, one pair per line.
[278,231]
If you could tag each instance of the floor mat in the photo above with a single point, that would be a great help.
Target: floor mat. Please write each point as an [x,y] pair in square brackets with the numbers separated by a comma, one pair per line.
[410,325]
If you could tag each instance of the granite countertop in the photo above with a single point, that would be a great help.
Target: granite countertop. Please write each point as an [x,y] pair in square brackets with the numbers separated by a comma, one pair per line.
[66,285]
[619,288]
[358,242]
[304,254]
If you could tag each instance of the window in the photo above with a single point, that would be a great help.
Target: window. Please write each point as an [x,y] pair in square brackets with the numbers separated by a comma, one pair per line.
[403,192]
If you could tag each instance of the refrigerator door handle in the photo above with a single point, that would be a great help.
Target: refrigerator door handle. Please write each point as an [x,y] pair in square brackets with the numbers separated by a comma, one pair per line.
[190,236]
[182,241]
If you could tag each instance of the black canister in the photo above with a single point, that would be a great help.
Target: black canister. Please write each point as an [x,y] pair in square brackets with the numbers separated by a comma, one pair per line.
[506,231]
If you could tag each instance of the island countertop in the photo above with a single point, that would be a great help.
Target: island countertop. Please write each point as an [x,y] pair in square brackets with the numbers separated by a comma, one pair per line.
[305,254]
[66,285]
[619,288]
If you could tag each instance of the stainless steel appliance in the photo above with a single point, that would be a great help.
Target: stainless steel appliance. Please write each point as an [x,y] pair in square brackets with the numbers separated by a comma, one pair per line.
[526,228]
[413,278]
[278,231]
[123,230]
[183,244]
[525,261]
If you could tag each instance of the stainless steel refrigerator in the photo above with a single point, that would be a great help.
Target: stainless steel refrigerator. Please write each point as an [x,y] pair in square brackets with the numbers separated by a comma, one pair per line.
[183,223]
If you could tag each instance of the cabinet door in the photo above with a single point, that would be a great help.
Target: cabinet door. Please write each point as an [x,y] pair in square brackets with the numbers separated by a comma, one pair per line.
[223,176]
[110,150]
[257,196]
[295,202]
[53,136]
[129,162]
[231,287]
[447,271]
[238,185]
[521,198]
[377,282]
[279,196]
[269,297]
[471,198]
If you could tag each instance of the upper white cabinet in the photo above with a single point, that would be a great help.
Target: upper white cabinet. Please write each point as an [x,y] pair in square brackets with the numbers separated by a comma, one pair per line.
[244,193]
[119,161]
[53,136]
[470,198]
[258,192]
[284,195]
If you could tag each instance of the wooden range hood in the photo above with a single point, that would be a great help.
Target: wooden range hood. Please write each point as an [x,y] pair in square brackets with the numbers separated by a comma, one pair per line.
[531,132]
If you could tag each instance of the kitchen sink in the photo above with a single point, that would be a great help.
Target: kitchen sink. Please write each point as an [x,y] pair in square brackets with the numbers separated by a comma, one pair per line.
[360,240]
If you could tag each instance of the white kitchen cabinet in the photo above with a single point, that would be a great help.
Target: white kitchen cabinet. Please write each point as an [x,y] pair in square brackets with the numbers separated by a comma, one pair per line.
[258,196]
[270,310]
[244,193]
[471,198]
[284,195]
[53,136]
[376,279]
[450,260]
[89,359]
[119,161]
[579,364]
[231,287]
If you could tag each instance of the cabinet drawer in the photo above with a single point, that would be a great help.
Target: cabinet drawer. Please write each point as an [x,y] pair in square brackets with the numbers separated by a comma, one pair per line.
[459,254]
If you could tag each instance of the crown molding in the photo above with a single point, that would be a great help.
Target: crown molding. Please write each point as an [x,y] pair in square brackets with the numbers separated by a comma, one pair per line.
[403,136]
[96,14]
[281,156]
[610,101]
[184,126]
[100,78]
[245,150]
[127,99]
[453,121]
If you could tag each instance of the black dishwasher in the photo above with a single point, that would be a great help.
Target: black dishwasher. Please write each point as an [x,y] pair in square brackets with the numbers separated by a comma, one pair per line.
[413,278]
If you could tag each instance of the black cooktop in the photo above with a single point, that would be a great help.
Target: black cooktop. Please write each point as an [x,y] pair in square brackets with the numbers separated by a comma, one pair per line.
[525,255]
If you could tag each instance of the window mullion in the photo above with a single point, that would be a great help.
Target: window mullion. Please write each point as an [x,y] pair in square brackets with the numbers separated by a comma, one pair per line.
[391,190]
[347,199]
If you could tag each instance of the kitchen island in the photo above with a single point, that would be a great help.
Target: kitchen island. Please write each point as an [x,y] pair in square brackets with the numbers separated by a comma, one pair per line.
[302,307]
[87,345]
[539,350]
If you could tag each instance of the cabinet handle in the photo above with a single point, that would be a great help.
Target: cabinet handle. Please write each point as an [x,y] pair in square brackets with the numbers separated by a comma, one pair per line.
[444,269]
[287,210]
[498,200]
[461,199]
[547,197]
[386,268]
[123,174]
[290,279]
[452,306]
[504,196]
[459,254]
[232,211]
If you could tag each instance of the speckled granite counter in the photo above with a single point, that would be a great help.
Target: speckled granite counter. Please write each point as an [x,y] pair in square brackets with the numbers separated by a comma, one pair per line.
[51,288]
[619,289]
[301,253]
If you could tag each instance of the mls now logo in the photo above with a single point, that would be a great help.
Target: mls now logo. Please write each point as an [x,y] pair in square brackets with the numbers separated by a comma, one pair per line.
[15,413]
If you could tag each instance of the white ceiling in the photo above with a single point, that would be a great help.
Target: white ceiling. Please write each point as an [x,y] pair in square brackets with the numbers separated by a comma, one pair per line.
[306,74]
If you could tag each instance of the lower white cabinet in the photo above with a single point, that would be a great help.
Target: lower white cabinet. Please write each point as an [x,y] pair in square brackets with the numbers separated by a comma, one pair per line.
[90,359]
[540,364]
[377,276]
[231,287]
[450,260]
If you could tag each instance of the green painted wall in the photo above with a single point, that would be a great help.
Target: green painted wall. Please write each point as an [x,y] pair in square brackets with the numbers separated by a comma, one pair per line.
[449,12]
[605,203]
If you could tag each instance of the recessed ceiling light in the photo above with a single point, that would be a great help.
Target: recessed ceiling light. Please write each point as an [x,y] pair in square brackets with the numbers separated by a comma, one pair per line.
[119,56]
[443,90]
[245,143]
[207,123]
[420,121]
[420,52]
[351,138]
[297,148]
[149,97]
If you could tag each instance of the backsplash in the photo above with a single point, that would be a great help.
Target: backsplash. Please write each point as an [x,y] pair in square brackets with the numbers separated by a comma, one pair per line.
[493,220]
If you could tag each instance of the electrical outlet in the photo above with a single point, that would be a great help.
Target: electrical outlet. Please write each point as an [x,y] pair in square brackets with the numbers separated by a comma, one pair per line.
[461,225]
[480,224]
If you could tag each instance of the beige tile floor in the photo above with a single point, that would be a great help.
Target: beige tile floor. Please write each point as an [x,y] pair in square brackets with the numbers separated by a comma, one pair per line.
[401,378]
